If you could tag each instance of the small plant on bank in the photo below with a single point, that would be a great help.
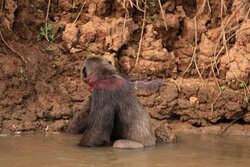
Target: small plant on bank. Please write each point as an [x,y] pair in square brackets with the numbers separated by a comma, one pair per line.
[187,71]
[228,83]
[51,37]
[152,3]
[39,11]
[233,81]
[22,72]
[38,38]
[43,33]
[73,5]
[223,87]
[186,46]
[242,85]
[48,48]
[236,92]
[158,98]
[154,17]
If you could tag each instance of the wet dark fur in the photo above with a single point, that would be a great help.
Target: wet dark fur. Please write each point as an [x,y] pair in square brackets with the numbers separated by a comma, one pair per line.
[80,121]
[113,113]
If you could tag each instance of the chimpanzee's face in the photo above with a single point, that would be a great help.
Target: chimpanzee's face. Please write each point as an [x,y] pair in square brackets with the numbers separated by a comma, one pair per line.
[95,68]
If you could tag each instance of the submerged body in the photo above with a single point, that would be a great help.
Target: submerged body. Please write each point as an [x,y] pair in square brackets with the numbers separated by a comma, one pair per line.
[115,112]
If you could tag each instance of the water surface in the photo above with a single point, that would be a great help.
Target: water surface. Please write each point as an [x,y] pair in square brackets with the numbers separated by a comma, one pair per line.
[60,150]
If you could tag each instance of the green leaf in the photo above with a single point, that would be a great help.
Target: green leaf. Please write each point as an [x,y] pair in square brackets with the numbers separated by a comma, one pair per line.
[158,97]
[21,70]
[38,38]
[51,37]
[48,48]
[195,55]
[74,5]
[42,28]
[26,78]
[39,11]
[152,4]
[236,92]
[49,27]
[187,71]
[233,80]
[223,87]
[43,33]
[186,45]
[32,6]
[229,83]
[242,85]
[154,17]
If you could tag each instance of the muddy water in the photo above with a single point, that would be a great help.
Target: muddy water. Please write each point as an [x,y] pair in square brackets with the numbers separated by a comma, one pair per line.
[60,150]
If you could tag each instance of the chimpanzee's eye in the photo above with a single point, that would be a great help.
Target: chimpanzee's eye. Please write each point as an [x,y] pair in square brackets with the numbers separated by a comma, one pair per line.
[84,72]
[109,62]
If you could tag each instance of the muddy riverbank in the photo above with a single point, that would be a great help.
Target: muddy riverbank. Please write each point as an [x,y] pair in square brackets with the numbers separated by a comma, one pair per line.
[201,55]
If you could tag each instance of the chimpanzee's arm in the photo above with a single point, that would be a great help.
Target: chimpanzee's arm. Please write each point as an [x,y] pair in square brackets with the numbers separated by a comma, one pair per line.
[80,121]
[101,119]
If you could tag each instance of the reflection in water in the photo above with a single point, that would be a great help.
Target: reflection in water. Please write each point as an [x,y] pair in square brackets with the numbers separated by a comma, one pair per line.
[60,150]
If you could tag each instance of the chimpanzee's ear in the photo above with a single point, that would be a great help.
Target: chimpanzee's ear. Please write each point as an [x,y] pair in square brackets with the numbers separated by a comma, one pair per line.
[84,72]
